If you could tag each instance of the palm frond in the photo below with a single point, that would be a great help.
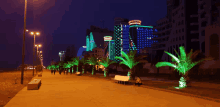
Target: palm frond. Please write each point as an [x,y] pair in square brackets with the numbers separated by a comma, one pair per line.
[174,57]
[182,53]
[161,64]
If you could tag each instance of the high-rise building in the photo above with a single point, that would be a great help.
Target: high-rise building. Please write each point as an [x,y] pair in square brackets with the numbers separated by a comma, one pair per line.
[140,35]
[178,28]
[118,35]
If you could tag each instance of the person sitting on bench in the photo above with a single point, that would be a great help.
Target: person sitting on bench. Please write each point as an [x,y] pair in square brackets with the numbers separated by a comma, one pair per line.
[138,81]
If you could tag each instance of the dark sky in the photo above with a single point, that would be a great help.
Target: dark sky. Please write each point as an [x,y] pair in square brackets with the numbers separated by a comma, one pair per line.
[63,23]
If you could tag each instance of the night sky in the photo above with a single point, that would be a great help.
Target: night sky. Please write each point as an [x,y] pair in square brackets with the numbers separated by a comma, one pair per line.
[63,23]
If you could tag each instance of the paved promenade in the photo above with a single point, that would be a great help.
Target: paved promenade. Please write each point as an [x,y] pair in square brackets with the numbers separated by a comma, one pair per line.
[84,91]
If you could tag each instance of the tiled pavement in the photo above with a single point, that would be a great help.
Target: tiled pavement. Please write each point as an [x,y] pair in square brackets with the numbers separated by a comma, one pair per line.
[71,90]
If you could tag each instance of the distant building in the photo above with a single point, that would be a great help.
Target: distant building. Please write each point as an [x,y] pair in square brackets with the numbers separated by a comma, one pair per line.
[98,52]
[98,34]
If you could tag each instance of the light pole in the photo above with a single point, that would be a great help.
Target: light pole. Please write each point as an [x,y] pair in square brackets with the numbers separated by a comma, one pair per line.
[23,51]
[37,48]
[34,33]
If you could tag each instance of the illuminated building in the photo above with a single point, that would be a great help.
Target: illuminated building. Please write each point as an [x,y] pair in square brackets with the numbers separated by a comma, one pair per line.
[80,51]
[118,35]
[90,43]
[112,50]
[110,47]
[140,36]
[125,38]
[98,34]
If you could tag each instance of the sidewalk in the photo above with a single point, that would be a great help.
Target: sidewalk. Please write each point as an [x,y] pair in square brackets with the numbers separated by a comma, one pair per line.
[71,90]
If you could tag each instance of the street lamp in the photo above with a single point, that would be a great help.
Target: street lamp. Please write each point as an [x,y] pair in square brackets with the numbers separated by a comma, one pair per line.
[37,48]
[23,51]
[34,33]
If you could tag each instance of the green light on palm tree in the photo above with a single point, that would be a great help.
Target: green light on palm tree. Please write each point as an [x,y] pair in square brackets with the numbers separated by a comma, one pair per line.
[128,60]
[106,62]
[92,61]
[183,64]
[75,61]
[83,61]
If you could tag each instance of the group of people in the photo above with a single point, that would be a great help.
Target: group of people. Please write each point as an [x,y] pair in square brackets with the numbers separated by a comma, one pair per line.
[60,71]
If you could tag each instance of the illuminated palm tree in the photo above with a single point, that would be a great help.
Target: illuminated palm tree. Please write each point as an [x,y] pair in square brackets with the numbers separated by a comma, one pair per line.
[106,62]
[60,64]
[75,62]
[53,67]
[128,60]
[183,64]
[57,67]
[92,61]
[83,61]
[49,67]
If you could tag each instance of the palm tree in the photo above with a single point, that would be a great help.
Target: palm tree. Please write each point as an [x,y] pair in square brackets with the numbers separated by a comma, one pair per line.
[49,67]
[53,67]
[57,67]
[83,61]
[183,64]
[60,64]
[92,61]
[106,62]
[75,62]
[128,60]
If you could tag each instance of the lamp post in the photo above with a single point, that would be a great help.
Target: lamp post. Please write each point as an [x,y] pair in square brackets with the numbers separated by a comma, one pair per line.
[34,33]
[23,51]
[37,48]
[37,56]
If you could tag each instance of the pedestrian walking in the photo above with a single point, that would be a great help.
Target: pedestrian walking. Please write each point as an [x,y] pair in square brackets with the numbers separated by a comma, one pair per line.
[51,71]
[54,72]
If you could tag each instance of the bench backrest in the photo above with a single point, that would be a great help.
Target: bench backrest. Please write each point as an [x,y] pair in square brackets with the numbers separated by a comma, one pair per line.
[122,78]
[77,72]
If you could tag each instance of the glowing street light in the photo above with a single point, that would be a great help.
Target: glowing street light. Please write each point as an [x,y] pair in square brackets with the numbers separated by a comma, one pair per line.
[34,33]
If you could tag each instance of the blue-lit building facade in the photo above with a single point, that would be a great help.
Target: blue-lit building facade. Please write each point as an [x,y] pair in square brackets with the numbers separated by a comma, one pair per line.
[144,36]
[140,36]
[125,38]
[119,24]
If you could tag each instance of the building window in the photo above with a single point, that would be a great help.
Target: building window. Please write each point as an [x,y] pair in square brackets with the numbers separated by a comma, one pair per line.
[182,29]
[179,38]
[183,45]
[203,24]
[176,31]
[179,30]
[182,37]
[203,15]
[173,21]
[182,14]
[176,38]
[182,22]
[203,33]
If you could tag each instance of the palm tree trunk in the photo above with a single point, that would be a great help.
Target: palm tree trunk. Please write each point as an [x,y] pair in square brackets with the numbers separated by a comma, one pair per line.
[158,71]
[104,72]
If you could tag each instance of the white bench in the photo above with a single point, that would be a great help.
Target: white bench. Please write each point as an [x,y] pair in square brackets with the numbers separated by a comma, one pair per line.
[120,78]
[78,73]
[40,74]
[34,84]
